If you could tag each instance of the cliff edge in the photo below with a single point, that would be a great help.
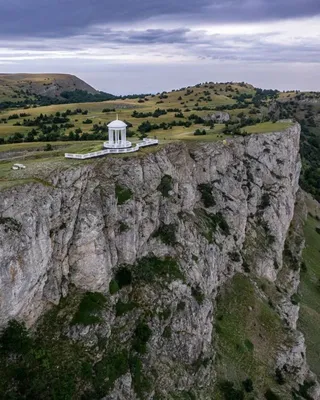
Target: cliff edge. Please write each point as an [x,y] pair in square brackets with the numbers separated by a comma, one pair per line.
[180,243]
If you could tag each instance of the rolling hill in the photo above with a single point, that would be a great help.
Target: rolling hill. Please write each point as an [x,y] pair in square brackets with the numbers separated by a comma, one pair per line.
[20,87]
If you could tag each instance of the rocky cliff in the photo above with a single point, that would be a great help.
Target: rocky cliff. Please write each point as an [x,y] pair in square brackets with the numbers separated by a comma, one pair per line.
[170,239]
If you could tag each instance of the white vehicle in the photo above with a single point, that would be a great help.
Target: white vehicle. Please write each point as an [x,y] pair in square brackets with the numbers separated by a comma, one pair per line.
[18,166]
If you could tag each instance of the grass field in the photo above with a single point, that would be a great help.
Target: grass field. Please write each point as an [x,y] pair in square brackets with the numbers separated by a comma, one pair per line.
[8,129]
[248,334]
[180,105]
[188,100]
[309,322]
[267,127]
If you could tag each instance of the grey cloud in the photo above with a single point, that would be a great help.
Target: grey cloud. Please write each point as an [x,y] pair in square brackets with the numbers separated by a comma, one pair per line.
[60,18]
[197,44]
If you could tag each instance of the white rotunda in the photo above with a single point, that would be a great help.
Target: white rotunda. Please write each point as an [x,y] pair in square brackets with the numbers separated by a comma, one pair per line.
[117,134]
[117,143]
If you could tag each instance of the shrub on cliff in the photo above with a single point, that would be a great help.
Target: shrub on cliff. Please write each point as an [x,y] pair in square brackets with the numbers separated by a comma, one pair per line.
[206,194]
[165,185]
[167,234]
[89,309]
[149,269]
[229,392]
[123,194]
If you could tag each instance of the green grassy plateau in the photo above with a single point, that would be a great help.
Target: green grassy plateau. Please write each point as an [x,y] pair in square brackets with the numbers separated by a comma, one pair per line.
[81,127]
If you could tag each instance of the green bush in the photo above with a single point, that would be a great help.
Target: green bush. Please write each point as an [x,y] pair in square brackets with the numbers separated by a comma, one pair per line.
[10,224]
[279,377]
[222,223]
[167,333]
[197,294]
[249,345]
[123,194]
[265,201]
[167,234]
[303,266]
[181,306]
[165,314]
[149,269]
[123,277]
[123,308]
[198,132]
[295,299]
[89,309]
[206,194]
[123,227]
[229,392]
[109,369]
[165,185]
[269,395]
[304,389]
[48,147]
[234,256]
[246,266]
[248,385]
[142,334]
[15,339]
[44,366]
[141,383]
[208,224]
[113,287]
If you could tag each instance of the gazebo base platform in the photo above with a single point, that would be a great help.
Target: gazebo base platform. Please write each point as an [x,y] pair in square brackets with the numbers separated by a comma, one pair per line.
[143,143]
[119,145]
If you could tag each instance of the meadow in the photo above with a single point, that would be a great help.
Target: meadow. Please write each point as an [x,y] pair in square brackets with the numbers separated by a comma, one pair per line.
[310,286]
[35,134]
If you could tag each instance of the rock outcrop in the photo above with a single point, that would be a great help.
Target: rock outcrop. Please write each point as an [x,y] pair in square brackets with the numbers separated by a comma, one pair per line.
[219,116]
[216,209]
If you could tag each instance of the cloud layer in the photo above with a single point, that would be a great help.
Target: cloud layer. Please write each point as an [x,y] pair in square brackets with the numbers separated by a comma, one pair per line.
[165,46]
[150,32]
[69,17]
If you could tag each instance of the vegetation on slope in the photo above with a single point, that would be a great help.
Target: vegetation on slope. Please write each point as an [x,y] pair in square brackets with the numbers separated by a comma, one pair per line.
[61,360]
[179,114]
[248,335]
[310,292]
[27,89]
[172,116]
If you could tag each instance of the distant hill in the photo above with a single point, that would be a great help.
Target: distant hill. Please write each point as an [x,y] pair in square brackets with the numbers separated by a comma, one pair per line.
[19,90]
[18,87]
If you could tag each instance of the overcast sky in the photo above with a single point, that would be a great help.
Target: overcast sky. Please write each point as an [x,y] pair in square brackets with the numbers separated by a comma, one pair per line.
[130,46]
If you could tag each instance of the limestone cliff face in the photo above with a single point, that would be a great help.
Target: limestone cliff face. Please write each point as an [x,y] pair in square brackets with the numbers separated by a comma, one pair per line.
[229,208]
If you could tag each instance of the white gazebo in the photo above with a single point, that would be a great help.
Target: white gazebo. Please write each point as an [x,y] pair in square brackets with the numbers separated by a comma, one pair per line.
[116,144]
[117,133]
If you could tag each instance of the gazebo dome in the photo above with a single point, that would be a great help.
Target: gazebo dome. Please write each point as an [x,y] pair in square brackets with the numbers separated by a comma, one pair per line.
[117,124]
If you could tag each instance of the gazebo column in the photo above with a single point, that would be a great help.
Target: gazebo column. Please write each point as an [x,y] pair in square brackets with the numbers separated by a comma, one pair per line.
[123,135]
[110,135]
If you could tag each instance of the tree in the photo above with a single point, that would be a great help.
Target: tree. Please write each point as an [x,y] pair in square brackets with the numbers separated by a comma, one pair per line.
[48,147]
